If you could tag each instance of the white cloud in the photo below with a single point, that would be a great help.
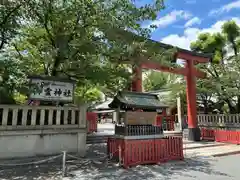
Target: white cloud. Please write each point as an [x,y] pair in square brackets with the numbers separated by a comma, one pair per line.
[193,21]
[171,18]
[191,34]
[182,41]
[225,8]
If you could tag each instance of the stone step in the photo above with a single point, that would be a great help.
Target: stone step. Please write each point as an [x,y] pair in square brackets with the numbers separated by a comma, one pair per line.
[97,139]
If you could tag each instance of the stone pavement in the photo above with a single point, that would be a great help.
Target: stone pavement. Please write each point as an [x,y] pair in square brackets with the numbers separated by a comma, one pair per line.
[191,148]
[192,168]
[199,164]
[195,166]
[209,149]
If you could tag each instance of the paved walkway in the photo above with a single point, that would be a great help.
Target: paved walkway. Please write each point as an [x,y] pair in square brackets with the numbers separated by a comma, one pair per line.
[211,149]
[192,168]
[224,168]
[199,164]
[191,148]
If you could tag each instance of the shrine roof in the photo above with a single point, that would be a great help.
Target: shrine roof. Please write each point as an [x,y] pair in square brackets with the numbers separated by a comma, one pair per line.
[127,99]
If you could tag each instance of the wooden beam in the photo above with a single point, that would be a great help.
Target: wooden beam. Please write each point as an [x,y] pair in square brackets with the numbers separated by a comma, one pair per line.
[180,71]
[158,67]
[190,57]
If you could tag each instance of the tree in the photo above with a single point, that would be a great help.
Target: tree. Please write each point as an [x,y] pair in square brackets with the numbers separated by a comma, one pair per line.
[158,80]
[87,95]
[12,79]
[9,20]
[211,43]
[79,39]
[222,82]
[232,32]
[75,32]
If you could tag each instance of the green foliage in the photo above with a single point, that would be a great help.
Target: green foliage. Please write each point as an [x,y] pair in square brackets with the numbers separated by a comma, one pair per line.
[221,88]
[78,39]
[157,81]
[87,95]
[12,78]
[210,43]
[232,32]
[222,84]
[9,13]
[20,98]
[170,86]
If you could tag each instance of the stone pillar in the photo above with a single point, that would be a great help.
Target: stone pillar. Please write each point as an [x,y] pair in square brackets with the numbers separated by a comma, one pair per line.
[179,113]
[194,131]
[82,135]
[115,117]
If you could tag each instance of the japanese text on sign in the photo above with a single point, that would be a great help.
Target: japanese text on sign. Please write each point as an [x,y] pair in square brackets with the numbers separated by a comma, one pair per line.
[51,90]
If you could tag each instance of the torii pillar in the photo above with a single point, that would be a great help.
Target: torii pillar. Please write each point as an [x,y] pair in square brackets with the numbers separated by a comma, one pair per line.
[190,73]
[137,79]
[194,133]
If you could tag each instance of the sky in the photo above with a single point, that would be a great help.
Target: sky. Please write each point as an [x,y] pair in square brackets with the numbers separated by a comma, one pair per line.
[182,20]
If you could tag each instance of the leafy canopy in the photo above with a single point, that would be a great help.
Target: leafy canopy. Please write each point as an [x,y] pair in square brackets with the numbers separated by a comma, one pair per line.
[79,39]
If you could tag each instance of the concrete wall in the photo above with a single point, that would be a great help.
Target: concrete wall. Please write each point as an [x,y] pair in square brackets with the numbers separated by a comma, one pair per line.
[27,131]
[28,143]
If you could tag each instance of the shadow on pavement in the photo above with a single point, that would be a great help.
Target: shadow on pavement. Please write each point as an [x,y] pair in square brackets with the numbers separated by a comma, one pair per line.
[96,167]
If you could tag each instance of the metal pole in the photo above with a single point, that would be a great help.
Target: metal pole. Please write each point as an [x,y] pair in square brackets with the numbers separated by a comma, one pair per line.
[64,164]
[179,112]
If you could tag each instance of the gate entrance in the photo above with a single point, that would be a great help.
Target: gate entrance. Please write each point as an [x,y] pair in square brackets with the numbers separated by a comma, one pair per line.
[189,71]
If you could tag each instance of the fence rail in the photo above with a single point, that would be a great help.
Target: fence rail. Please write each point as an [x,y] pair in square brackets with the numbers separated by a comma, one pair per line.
[39,117]
[138,130]
[216,120]
[225,120]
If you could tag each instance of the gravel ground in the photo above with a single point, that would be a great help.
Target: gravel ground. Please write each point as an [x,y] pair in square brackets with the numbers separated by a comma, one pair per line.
[225,168]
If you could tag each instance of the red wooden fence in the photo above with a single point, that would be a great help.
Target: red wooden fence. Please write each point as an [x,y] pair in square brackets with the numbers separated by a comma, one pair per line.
[91,122]
[147,151]
[170,120]
[208,134]
[226,136]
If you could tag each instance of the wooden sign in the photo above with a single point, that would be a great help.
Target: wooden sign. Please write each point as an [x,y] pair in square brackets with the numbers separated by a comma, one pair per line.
[51,90]
[140,118]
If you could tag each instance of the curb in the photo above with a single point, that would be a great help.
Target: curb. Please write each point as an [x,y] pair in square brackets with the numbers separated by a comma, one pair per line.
[206,146]
[226,154]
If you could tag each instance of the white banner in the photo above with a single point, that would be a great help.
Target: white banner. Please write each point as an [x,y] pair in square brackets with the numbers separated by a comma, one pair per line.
[49,90]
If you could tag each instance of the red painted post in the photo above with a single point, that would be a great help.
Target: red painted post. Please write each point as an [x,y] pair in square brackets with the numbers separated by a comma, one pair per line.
[164,112]
[137,80]
[194,131]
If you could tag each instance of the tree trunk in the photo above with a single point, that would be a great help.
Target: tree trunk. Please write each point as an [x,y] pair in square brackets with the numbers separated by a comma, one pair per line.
[235,49]
[232,109]
[238,104]
[56,64]
[205,107]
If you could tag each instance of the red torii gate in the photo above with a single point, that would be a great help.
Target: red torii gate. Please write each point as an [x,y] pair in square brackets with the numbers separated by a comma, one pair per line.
[190,73]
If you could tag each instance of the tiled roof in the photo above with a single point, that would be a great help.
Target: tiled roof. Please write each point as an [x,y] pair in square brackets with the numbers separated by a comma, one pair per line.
[137,100]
